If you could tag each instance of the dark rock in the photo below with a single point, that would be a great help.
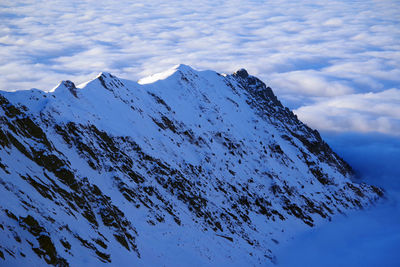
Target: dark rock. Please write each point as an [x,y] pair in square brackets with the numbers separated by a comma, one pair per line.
[242,73]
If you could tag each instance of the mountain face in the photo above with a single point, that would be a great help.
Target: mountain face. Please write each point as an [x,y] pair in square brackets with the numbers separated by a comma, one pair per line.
[183,167]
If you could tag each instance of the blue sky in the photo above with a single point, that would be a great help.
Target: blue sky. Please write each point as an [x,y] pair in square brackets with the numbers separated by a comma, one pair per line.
[335,63]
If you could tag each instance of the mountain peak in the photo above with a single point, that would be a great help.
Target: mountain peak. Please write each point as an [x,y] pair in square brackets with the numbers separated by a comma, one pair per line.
[105,74]
[242,73]
[182,68]
[65,85]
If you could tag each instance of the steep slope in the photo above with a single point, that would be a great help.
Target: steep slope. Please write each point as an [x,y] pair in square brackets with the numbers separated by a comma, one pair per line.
[184,166]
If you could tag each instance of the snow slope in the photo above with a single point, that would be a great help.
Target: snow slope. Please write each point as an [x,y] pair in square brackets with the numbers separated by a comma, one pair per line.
[183,167]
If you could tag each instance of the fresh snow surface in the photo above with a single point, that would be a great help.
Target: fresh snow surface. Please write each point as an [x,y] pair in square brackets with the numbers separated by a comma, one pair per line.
[162,75]
[185,168]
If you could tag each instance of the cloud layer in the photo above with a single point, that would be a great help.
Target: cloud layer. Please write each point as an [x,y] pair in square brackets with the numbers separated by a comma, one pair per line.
[377,112]
[364,238]
[307,51]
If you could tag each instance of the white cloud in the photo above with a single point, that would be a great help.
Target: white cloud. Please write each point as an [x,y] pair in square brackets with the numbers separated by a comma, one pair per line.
[309,83]
[335,22]
[369,112]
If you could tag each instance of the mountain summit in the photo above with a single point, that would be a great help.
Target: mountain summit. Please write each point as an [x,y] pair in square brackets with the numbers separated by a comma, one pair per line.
[182,167]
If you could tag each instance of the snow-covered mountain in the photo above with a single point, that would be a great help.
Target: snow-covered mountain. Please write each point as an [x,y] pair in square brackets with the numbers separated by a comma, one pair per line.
[181,168]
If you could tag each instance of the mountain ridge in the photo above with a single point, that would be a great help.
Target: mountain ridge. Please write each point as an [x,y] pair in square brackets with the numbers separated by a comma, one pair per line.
[184,165]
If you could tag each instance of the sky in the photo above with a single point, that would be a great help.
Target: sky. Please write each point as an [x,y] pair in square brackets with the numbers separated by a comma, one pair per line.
[335,63]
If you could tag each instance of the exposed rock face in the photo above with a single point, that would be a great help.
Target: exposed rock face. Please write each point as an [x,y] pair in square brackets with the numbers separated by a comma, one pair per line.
[189,167]
[242,73]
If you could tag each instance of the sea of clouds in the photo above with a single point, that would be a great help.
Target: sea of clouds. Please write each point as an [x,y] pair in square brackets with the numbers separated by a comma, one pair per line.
[335,63]
[364,238]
